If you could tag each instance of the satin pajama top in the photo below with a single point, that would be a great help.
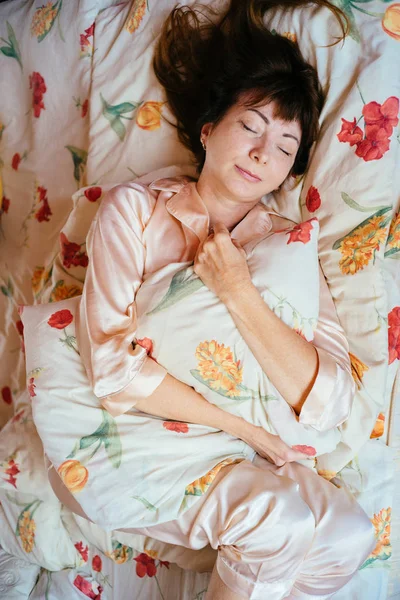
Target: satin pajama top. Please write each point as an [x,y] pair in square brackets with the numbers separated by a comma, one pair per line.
[139,229]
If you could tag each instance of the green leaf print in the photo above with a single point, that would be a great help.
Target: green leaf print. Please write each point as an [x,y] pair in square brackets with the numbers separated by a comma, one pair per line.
[79,158]
[12,49]
[115,113]
[184,283]
[107,434]
[347,8]
[8,289]
[147,504]
[353,204]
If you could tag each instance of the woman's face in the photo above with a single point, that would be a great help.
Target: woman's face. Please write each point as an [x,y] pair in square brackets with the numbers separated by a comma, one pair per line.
[249,153]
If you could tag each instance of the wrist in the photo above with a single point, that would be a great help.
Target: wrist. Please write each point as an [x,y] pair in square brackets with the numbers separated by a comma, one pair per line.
[242,295]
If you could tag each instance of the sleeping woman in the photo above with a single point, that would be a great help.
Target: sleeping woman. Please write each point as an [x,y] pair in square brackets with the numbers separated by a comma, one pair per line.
[247,107]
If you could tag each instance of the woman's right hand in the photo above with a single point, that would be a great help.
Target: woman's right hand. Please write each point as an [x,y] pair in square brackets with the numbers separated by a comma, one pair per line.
[268,445]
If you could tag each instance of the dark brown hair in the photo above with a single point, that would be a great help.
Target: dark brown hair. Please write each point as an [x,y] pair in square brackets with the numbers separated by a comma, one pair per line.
[207,66]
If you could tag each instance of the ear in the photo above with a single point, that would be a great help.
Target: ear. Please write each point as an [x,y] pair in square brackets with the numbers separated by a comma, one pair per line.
[206,130]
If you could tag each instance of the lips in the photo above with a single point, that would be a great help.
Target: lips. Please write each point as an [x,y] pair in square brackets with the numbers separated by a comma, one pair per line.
[247,174]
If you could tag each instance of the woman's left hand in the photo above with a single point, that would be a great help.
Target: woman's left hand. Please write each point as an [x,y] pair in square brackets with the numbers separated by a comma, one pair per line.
[221,264]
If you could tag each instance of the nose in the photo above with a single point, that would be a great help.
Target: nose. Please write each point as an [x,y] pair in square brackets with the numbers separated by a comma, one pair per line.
[260,154]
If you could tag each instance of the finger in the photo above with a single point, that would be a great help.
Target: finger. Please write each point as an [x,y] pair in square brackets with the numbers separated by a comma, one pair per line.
[220,231]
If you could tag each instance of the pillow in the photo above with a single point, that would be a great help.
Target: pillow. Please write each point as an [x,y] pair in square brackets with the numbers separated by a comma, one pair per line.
[185,327]
[110,464]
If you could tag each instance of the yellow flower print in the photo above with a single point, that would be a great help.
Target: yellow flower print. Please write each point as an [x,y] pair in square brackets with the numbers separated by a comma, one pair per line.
[359,247]
[290,36]
[74,475]
[218,368]
[327,474]
[201,485]
[151,553]
[43,19]
[393,241]
[120,554]
[149,115]
[381,522]
[379,427]
[391,21]
[62,291]
[358,368]
[27,528]
[136,15]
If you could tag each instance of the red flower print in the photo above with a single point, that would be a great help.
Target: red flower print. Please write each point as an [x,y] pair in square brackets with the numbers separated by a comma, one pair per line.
[394,334]
[375,144]
[20,327]
[85,107]
[16,159]
[18,416]
[313,200]
[178,427]
[61,319]
[82,551]
[86,587]
[93,193]
[5,205]
[84,42]
[384,115]
[90,30]
[31,387]
[145,565]
[96,563]
[37,84]
[12,472]
[147,344]
[44,213]
[164,563]
[6,395]
[350,132]
[71,253]
[301,232]
[309,450]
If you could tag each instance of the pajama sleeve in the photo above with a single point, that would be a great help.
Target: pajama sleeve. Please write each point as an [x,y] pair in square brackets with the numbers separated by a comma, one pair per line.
[119,373]
[330,399]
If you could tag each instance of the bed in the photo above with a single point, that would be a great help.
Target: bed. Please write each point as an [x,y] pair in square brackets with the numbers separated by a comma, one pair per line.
[80,111]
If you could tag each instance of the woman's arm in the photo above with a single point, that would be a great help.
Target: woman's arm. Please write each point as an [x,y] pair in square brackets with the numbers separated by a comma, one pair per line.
[177,401]
[314,378]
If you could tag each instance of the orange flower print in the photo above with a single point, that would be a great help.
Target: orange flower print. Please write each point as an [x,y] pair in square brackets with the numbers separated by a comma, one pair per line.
[393,239]
[218,368]
[379,427]
[358,368]
[121,553]
[383,548]
[61,291]
[136,15]
[290,36]
[74,475]
[391,21]
[201,485]
[27,528]
[358,248]
[328,475]
[301,232]
[149,115]
[177,427]
[43,19]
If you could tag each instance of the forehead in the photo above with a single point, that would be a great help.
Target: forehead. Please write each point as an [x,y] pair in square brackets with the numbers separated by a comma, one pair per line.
[270,110]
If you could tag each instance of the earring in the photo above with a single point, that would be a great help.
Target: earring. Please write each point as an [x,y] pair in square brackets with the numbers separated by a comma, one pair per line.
[203,144]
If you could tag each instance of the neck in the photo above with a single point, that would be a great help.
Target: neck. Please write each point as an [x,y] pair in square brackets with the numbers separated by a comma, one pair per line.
[221,207]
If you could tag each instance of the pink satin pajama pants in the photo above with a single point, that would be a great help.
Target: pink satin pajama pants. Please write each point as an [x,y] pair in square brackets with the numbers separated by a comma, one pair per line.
[281,532]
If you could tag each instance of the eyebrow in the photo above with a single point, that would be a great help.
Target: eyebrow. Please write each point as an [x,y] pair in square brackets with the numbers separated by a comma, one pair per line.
[266,120]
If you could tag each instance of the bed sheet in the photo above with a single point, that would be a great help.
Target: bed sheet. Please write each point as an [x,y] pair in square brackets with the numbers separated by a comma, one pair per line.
[56,135]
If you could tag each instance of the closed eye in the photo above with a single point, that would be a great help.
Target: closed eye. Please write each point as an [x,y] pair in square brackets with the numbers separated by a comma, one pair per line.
[284,152]
[247,128]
